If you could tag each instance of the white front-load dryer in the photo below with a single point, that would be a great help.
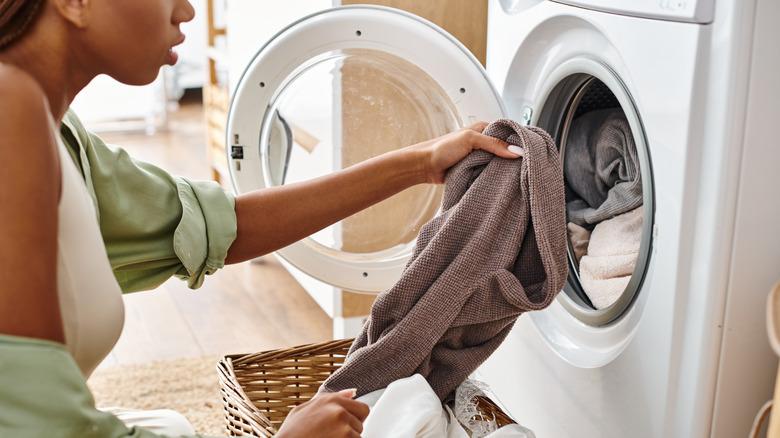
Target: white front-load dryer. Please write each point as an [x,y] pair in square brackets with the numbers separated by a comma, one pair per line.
[681,352]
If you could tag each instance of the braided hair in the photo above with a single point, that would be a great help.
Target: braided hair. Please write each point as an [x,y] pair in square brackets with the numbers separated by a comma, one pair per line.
[16,17]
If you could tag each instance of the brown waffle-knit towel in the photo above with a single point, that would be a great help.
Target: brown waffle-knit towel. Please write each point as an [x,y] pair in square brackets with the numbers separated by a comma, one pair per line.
[498,249]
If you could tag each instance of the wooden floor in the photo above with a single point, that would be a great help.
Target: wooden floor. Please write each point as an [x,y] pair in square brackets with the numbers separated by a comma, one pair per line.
[243,308]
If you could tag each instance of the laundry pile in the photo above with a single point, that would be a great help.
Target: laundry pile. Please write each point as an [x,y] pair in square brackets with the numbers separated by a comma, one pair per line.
[497,250]
[604,203]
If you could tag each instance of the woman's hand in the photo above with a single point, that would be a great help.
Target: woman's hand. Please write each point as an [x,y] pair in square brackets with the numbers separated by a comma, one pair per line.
[441,153]
[334,415]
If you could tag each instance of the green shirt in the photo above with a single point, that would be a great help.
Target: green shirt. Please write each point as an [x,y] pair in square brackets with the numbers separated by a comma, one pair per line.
[43,394]
[154,226]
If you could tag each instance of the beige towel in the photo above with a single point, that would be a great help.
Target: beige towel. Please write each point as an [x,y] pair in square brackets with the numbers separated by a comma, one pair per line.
[498,249]
[612,252]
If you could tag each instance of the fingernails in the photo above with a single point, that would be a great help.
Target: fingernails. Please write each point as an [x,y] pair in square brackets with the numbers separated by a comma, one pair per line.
[517,150]
[352,392]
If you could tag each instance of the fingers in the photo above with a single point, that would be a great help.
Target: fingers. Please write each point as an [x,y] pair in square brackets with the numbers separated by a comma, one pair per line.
[352,423]
[478,126]
[352,413]
[331,414]
[494,146]
[348,393]
[358,409]
[491,144]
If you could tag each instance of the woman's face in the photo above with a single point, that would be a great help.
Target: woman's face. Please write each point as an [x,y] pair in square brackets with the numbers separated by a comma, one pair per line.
[131,39]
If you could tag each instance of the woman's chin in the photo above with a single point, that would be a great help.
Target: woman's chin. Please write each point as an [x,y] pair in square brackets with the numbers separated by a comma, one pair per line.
[140,79]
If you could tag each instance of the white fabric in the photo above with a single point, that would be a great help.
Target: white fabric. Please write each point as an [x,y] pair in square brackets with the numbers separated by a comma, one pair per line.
[612,252]
[90,298]
[512,431]
[409,408]
[163,422]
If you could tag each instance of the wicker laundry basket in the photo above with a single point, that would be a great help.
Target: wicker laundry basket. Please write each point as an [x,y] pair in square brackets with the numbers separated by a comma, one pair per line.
[259,390]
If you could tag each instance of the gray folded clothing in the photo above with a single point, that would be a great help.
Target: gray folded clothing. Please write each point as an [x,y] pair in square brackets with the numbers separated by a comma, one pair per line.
[498,249]
[601,167]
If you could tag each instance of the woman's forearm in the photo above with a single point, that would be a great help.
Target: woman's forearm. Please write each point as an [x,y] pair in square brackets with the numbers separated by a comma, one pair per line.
[272,218]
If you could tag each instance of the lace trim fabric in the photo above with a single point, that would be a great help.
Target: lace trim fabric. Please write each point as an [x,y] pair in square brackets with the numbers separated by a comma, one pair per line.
[470,417]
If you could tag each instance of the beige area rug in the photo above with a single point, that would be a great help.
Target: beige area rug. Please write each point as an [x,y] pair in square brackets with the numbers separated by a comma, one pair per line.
[189,386]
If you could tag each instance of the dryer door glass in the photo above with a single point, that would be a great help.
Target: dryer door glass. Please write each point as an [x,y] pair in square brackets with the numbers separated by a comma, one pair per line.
[347,106]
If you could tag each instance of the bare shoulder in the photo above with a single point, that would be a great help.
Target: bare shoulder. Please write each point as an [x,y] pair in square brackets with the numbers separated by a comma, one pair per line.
[22,96]
[24,119]
[16,83]
[28,154]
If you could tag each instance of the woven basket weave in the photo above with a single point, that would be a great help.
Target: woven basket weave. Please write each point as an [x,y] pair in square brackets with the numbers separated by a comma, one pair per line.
[259,390]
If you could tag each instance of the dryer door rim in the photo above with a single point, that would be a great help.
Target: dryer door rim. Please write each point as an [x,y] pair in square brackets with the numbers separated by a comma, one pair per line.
[590,338]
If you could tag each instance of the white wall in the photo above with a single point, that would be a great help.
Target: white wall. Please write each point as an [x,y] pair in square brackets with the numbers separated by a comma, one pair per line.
[191,68]
[251,23]
[106,104]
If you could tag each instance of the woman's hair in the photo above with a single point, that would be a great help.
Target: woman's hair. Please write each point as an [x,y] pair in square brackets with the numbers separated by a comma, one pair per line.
[16,16]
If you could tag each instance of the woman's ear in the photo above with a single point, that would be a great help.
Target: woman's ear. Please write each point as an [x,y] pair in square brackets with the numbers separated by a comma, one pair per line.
[77,12]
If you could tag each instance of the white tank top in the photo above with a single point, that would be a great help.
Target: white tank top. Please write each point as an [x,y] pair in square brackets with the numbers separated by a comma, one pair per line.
[90,298]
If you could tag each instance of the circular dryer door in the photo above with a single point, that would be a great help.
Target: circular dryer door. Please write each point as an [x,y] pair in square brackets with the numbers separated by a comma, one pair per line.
[609,190]
[339,87]
[593,118]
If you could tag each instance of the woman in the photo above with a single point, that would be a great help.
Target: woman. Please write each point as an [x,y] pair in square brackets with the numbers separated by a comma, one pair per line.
[80,220]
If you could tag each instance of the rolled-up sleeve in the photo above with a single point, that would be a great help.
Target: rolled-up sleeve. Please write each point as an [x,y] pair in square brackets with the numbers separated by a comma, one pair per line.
[154,225]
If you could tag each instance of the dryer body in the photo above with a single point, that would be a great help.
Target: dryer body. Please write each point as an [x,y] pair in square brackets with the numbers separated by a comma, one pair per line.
[687,355]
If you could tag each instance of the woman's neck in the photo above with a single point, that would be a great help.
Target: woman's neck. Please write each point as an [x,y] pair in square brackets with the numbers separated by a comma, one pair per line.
[47,60]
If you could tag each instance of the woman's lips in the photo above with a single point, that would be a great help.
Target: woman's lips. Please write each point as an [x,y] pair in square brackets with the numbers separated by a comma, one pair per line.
[172,57]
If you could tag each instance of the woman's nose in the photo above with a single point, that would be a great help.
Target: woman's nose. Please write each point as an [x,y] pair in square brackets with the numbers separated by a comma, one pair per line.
[184,12]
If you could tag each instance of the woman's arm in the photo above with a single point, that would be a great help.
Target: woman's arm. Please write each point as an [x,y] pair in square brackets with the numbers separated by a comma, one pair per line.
[29,194]
[272,218]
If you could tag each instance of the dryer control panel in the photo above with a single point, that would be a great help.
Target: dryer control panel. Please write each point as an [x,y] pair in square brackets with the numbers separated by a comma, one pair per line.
[693,11]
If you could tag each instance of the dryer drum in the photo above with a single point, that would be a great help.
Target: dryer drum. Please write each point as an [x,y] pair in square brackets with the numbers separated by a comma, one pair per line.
[581,95]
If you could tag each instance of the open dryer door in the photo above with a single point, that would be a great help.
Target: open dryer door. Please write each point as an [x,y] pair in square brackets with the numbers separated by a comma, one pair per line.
[339,87]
